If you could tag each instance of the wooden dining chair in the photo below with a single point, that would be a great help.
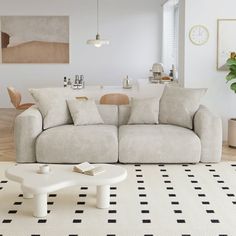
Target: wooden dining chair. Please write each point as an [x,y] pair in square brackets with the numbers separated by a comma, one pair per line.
[82,98]
[15,97]
[114,99]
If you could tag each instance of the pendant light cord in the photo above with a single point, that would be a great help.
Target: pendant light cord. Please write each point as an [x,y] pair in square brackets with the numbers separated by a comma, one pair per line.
[97,16]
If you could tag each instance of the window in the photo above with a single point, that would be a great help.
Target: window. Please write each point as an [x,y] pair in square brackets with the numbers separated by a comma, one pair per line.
[170,35]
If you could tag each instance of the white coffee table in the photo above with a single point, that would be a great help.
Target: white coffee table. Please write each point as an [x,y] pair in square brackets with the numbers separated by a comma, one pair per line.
[38,185]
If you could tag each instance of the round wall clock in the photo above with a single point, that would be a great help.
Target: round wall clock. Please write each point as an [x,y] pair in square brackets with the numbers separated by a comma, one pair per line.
[199,35]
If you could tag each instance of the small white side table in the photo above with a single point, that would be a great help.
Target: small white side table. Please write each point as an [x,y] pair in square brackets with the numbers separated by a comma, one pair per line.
[38,185]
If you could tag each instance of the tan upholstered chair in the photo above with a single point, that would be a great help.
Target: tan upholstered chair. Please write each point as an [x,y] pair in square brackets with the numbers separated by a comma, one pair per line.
[114,99]
[15,97]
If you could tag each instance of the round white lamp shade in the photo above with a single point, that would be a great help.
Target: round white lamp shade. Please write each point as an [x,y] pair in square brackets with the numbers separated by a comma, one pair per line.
[98,42]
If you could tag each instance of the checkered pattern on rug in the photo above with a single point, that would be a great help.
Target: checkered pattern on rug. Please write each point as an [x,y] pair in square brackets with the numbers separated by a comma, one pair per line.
[154,200]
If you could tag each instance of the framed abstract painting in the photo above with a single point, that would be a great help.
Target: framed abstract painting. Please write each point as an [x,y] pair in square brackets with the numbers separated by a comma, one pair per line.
[226,41]
[34,39]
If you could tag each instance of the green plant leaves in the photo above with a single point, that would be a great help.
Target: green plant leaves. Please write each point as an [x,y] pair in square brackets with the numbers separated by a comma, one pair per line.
[230,76]
[231,62]
[233,87]
[233,69]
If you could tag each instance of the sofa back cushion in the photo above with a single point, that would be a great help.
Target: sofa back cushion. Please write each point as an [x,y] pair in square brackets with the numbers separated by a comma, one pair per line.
[55,112]
[178,105]
[52,105]
[84,112]
[109,114]
[144,111]
[124,114]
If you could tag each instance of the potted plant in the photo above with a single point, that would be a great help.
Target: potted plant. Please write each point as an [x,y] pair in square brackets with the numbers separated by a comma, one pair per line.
[231,63]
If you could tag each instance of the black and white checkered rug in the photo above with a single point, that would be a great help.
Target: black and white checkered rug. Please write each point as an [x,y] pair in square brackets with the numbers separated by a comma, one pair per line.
[155,200]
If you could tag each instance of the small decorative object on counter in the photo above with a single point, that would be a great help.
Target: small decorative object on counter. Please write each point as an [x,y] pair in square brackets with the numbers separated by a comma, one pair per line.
[81,82]
[77,79]
[157,71]
[76,83]
[174,72]
[69,84]
[127,83]
[171,74]
[65,82]
[165,79]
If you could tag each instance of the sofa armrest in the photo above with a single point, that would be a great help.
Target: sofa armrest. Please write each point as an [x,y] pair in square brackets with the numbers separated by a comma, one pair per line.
[209,129]
[28,125]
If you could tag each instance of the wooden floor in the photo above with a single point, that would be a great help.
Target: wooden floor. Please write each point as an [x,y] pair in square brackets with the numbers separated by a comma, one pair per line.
[7,150]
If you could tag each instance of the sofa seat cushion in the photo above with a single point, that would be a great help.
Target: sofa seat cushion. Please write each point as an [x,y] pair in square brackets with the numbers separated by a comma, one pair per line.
[158,144]
[75,144]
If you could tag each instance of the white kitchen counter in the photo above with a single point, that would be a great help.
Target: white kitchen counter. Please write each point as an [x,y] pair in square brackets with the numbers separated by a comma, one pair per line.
[142,88]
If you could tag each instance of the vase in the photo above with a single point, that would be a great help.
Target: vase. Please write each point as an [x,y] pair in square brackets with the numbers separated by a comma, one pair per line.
[232,133]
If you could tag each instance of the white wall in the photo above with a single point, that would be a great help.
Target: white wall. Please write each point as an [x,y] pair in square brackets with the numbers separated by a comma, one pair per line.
[132,26]
[200,61]
[0,41]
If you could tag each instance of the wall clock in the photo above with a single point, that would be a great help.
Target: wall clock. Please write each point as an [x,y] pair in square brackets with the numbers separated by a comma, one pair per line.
[199,34]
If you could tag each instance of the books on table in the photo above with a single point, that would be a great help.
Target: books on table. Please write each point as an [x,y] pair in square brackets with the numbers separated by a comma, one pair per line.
[88,169]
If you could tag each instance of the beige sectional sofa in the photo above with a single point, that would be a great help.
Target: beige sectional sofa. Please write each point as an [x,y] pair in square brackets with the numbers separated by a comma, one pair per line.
[116,141]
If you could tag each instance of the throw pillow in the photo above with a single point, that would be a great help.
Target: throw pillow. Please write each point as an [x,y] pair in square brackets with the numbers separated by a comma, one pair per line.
[84,112]
[144,111]
[52,105]
[178,105]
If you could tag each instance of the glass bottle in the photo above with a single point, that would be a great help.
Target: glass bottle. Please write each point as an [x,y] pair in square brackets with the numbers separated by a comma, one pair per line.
[81,81]
[69,84]
[65,82]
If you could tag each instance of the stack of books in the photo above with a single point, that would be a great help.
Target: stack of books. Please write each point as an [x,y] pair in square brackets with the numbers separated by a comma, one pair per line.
[88,169]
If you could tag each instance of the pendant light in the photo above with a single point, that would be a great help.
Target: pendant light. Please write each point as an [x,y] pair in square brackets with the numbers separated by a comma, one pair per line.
[97,42]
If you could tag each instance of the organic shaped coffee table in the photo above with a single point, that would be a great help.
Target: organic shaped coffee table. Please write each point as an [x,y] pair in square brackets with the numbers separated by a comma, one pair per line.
[38,185]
